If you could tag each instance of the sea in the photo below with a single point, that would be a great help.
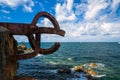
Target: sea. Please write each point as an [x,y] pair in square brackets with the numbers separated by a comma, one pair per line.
[70,54]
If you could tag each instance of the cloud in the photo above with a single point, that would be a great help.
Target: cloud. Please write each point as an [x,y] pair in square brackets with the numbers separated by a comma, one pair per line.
[97,20]
[5,11]
[6,17]
[11,3]
[86,21]
[115,3]
[21,38]
[28,8]
[94,8]
[64,11]
[80,9]
[26,4]
[111,28]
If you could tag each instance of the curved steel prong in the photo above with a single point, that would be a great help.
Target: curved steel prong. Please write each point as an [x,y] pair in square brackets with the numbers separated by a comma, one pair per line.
[30,29]
[47,30]
[47,15]
[54,48]
[28,55]
[39,30]
[32,41]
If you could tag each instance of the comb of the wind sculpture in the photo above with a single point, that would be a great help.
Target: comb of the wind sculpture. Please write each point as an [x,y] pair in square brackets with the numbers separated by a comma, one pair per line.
[30,29]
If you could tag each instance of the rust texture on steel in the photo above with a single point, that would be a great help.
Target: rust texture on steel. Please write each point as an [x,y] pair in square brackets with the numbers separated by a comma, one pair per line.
[30,29]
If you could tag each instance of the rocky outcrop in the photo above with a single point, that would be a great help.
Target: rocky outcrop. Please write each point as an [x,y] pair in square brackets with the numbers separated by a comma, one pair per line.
[91,72]
[8,50]
[64,70]
[22,48]
[78,68]
[87,71]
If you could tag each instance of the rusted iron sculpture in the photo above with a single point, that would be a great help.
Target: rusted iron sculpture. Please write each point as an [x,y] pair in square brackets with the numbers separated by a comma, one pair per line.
[30,29]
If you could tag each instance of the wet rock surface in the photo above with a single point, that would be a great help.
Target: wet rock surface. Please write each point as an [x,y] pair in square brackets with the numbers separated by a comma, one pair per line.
[64,70]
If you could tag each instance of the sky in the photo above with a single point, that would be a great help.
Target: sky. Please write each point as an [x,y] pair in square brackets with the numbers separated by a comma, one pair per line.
[82,20]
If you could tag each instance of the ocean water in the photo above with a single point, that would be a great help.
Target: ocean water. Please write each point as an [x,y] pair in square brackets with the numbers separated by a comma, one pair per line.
[72,54]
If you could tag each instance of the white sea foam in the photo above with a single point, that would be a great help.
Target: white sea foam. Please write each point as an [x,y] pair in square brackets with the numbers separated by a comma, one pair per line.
[39,55]
[52,71]
[98,76]
[70,59]
[98,65]
[51,62]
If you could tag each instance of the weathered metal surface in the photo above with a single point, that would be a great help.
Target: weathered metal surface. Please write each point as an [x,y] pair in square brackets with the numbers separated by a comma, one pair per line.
[30,29]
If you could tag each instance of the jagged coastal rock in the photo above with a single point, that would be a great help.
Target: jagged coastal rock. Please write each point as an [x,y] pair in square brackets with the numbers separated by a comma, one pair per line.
[22,48]
[79,68]
[82,71]
[64,70]
[91,72]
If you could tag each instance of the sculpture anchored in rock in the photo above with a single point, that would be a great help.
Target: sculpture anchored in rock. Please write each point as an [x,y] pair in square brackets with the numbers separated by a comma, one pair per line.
[30,29]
